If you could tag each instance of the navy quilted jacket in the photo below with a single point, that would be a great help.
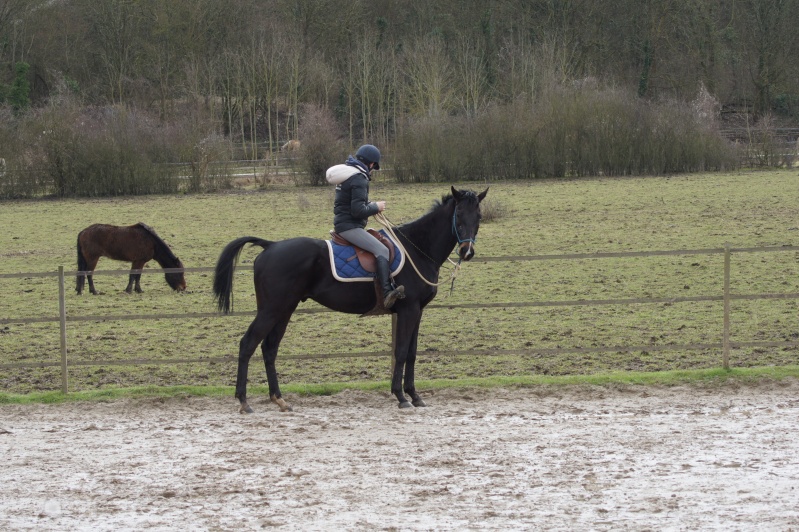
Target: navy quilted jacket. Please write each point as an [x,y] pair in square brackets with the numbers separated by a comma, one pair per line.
[352,208]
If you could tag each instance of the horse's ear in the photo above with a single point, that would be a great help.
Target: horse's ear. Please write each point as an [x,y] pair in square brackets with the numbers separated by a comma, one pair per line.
[456,194]
[481,196]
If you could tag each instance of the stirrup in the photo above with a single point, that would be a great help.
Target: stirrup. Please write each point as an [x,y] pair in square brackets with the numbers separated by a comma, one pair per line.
[392,296]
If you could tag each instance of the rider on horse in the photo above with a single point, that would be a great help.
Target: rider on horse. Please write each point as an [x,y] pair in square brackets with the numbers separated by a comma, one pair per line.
[352,210]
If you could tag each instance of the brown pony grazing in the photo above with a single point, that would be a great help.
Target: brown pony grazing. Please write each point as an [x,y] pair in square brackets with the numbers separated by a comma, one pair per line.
[292,145]
[136,244]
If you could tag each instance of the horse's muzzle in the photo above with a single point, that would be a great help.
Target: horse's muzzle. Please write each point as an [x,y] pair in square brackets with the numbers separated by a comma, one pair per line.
[466,250]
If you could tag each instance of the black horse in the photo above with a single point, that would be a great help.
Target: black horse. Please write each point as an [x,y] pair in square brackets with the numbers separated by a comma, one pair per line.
[293,270]
[137,244]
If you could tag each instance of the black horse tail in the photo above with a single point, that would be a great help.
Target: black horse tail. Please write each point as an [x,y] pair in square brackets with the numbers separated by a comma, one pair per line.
[223,273]
[80,280]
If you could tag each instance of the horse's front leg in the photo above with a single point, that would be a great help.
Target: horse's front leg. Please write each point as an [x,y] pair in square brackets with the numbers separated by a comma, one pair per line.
[131,281]
[405,336]
[135,278]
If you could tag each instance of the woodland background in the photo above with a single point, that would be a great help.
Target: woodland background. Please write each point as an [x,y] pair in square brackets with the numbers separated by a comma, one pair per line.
[113,97]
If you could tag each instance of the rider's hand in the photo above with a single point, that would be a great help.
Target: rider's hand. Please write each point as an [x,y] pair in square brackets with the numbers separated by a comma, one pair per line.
[381,206]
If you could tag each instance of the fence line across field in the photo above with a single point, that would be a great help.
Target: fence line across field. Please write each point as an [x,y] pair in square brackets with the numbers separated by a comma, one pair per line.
[725,345]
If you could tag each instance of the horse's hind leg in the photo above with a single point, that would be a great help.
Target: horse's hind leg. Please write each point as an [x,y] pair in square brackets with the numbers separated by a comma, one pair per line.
[90,278]
[256,333]
[90,266]
[80,281]
[269,349]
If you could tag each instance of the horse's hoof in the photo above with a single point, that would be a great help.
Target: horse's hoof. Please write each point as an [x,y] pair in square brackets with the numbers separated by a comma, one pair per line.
[419,402]
[245,409]
[284,406]
[405,404]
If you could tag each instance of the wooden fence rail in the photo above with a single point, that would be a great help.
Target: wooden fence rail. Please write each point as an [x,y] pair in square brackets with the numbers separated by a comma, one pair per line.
[725,345]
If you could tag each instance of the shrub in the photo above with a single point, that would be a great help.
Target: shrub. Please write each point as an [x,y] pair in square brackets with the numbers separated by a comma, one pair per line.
[320,148]
[492,210]
[65,149]
[567,132]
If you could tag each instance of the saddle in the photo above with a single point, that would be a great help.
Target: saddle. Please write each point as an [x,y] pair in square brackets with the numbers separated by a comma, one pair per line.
[366,258]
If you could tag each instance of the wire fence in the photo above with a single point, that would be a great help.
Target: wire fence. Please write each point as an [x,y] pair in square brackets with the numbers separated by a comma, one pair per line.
[725,345]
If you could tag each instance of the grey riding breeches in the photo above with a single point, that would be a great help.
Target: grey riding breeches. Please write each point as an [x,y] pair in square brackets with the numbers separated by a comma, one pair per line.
[364,240]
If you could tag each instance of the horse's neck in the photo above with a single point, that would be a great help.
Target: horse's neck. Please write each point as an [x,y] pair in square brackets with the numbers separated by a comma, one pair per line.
[165,257]
[432,235]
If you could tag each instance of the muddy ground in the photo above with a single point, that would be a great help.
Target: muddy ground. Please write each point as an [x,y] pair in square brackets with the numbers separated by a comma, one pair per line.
[624,458]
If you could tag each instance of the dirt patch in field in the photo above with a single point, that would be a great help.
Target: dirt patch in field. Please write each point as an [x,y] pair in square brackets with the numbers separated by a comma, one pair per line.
[631,458]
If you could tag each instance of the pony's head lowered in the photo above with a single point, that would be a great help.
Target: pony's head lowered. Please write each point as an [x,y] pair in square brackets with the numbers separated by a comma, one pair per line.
[466,220]
[176,280]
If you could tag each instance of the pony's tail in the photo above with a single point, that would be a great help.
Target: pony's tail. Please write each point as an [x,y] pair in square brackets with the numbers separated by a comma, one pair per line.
[225,266]
[80,280]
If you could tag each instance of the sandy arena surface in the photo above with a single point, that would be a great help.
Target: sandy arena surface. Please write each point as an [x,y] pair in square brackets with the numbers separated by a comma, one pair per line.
[573,458]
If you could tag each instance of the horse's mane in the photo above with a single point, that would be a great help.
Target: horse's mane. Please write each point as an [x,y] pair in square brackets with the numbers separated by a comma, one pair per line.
[439,203]
[163,254]
[469,196]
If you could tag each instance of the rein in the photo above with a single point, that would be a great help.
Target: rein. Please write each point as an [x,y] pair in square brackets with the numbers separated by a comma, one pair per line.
[381,218]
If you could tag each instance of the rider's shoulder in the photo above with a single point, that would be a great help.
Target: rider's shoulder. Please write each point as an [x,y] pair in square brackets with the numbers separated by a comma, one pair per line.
[341,173]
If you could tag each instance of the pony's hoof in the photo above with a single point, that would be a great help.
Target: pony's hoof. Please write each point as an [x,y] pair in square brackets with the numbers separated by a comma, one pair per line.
[405,404]
[245,409]
[419,402]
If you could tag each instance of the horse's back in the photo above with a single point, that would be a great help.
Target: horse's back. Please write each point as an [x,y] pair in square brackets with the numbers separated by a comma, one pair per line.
[126,243]
[296,255]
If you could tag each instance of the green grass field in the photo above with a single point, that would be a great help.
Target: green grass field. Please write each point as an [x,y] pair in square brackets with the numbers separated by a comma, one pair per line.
[553,217]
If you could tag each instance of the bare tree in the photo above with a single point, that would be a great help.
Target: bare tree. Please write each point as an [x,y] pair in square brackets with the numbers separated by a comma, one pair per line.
[470,73]
[428,79]
[115,28]
[372,74]
[12,13]
[768,27]
[268,73]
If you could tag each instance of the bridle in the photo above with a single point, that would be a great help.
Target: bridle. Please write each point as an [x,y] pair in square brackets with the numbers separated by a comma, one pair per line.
[385,222]
[461,241]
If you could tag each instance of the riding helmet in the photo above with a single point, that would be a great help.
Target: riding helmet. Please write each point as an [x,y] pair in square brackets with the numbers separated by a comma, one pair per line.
[369,154]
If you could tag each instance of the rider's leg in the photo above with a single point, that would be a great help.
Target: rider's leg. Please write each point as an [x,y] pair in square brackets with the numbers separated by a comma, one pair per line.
[362,239]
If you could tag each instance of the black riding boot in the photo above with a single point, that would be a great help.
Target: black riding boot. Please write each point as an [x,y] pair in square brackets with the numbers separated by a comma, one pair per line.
[390,294]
